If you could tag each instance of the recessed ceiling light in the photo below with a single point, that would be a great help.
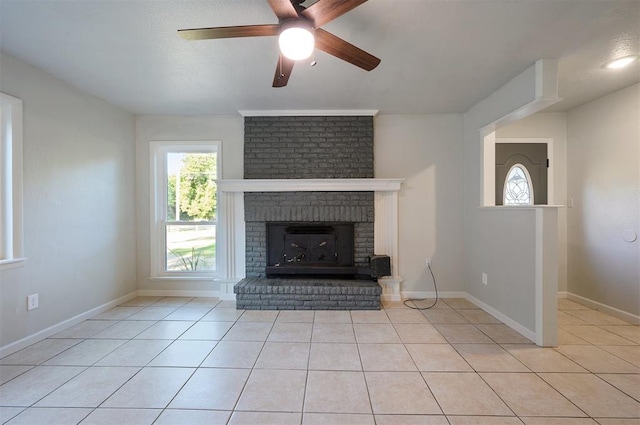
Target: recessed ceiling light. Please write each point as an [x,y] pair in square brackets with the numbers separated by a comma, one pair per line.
[621,62]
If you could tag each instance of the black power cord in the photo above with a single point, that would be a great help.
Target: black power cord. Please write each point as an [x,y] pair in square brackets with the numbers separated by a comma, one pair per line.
[413,300]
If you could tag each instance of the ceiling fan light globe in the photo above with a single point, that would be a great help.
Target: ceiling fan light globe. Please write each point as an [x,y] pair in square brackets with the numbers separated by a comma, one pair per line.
[296,43]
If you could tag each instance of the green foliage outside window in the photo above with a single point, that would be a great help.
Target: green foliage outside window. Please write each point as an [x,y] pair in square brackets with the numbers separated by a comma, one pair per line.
[198,201]
[191,191]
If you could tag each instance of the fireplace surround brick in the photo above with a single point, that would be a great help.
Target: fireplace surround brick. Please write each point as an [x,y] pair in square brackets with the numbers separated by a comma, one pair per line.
[308,147]
[312,207]
[325,147]
[317,147]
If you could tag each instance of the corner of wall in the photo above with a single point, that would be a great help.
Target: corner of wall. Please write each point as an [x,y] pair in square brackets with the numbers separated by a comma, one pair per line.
[498,241]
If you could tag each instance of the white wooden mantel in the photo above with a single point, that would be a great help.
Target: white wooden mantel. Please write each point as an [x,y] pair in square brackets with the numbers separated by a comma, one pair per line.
[385,219]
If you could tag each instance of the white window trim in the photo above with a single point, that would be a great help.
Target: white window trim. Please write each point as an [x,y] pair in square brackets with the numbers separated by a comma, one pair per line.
[11,182]
[157,156]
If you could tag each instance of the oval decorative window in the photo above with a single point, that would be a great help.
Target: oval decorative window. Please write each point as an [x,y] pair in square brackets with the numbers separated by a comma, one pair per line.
[518,189]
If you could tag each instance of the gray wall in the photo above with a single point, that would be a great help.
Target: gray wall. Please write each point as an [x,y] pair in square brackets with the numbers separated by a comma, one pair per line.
[79,203]
[604,182]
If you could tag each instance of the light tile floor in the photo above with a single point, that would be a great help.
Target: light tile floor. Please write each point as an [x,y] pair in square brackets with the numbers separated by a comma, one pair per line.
[200,361]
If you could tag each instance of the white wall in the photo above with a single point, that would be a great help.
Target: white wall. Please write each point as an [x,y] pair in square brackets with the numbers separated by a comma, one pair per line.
[604,181]
[501,241]
[430,201]
[227,129]
[549,126]
[426,150]
[79,203]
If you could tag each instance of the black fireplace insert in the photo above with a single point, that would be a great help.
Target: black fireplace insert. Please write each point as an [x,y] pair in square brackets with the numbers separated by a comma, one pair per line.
[310,249]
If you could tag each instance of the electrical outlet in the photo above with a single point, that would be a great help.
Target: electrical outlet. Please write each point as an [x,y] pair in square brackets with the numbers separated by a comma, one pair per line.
[32,301]
[484,278]
[428,261]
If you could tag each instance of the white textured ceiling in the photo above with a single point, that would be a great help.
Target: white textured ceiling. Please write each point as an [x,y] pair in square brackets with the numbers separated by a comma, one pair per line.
[438,56]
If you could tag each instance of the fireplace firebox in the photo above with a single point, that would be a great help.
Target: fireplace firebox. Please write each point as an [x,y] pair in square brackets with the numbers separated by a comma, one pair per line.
[318,249]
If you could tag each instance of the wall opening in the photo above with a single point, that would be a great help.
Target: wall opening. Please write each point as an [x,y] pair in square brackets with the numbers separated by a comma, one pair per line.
[492,186]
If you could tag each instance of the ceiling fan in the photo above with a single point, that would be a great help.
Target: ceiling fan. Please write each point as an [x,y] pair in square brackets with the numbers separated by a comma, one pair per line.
[298,29]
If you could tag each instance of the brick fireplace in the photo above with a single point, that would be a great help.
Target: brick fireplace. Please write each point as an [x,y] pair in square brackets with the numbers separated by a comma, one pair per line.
[321,147]
[310,170]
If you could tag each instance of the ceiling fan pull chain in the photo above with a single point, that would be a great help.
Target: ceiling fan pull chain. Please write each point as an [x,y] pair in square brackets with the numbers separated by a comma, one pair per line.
[280,67]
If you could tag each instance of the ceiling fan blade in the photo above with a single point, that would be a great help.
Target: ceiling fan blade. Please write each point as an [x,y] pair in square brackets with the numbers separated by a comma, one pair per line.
[325,11]
[339,48]
[283,71]
[283,9]
[229,32]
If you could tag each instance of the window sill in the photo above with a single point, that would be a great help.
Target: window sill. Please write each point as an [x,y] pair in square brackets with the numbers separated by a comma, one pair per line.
[12,263]
[190,278]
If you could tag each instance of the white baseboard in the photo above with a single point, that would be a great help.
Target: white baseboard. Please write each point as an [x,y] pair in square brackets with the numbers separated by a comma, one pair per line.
[52,330]
[615,312]
[461,294]
[224,293]
[177,293]
[431,294]
[504,319]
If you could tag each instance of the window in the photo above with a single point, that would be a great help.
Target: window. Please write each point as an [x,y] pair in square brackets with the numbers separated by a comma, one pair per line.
[184,209]
[11,234]
[518,189]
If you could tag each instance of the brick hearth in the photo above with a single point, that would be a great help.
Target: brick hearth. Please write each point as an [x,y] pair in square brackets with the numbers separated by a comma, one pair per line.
[307,294]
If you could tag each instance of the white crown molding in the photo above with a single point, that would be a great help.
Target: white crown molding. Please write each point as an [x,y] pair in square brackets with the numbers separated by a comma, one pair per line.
[310,113]
[310,185]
